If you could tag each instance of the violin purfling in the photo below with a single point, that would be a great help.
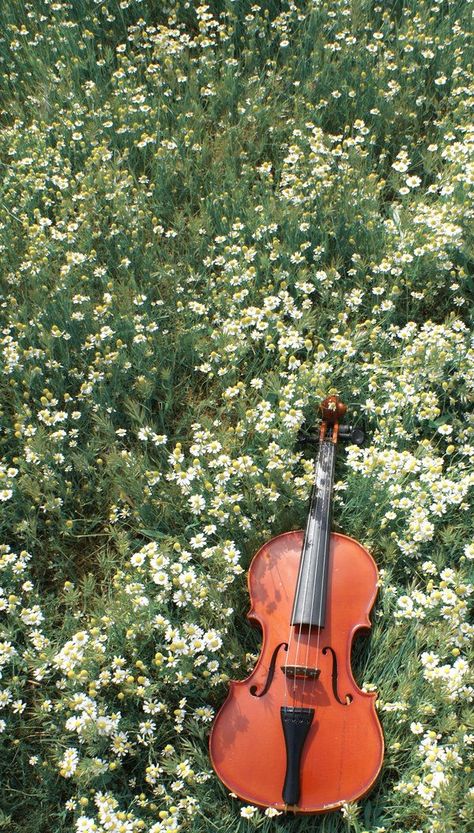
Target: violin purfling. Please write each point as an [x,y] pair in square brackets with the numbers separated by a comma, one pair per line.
[299,734]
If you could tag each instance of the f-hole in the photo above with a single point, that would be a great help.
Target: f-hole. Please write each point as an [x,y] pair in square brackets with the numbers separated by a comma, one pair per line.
[348,698]
[271,672]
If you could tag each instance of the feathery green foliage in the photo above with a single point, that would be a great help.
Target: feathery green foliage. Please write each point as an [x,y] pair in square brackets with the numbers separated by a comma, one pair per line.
[212,216]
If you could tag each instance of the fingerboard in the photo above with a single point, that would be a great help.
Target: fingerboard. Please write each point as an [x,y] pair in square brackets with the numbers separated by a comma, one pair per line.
[309,606]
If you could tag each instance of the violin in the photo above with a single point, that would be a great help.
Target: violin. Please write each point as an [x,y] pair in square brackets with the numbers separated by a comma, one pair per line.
[299,734]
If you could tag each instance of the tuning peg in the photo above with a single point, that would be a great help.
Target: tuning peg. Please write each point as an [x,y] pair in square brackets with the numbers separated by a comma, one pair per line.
[305,437]
[345,432]
[349,432]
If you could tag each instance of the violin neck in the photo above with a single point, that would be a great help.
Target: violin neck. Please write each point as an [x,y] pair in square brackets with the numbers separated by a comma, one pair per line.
[309,607]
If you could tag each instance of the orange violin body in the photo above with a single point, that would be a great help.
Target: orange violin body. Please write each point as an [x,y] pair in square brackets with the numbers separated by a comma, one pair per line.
[299,734]
[343,752]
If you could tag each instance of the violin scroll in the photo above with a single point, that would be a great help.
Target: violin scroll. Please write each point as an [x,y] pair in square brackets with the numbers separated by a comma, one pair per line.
[332,411]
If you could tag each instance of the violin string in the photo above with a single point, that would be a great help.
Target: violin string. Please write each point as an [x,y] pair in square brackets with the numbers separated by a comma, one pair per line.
[311,529]
[321,474]
[297,589]
[324,555]
[316,567]
[298,585]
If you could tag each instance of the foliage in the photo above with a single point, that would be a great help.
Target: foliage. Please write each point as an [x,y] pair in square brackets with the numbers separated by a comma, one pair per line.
[213,216]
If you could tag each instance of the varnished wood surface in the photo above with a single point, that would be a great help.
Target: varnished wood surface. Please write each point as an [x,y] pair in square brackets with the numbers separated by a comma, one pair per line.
[343,753]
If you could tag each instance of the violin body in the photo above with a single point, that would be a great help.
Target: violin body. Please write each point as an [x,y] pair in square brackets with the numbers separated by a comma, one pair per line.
[301,680]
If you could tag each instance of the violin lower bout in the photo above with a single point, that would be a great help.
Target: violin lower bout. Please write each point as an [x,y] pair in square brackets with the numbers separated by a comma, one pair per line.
[341,752]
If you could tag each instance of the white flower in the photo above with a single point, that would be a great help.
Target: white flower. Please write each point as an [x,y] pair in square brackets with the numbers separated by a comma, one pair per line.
[68,763]
[198,541]
[248,812]
[445,430]
[429,660]
[197,503]
[401,166]
[85,825]
[469,551]
[31,615]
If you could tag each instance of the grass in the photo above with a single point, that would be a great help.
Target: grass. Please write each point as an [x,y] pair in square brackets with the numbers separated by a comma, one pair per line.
[211,217]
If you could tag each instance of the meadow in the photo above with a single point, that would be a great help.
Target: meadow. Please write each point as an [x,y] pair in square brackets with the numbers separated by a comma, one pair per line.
[211,217]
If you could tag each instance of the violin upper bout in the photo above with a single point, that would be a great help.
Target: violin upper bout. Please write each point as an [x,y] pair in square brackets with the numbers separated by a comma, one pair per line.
[273,570]
[356,575]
